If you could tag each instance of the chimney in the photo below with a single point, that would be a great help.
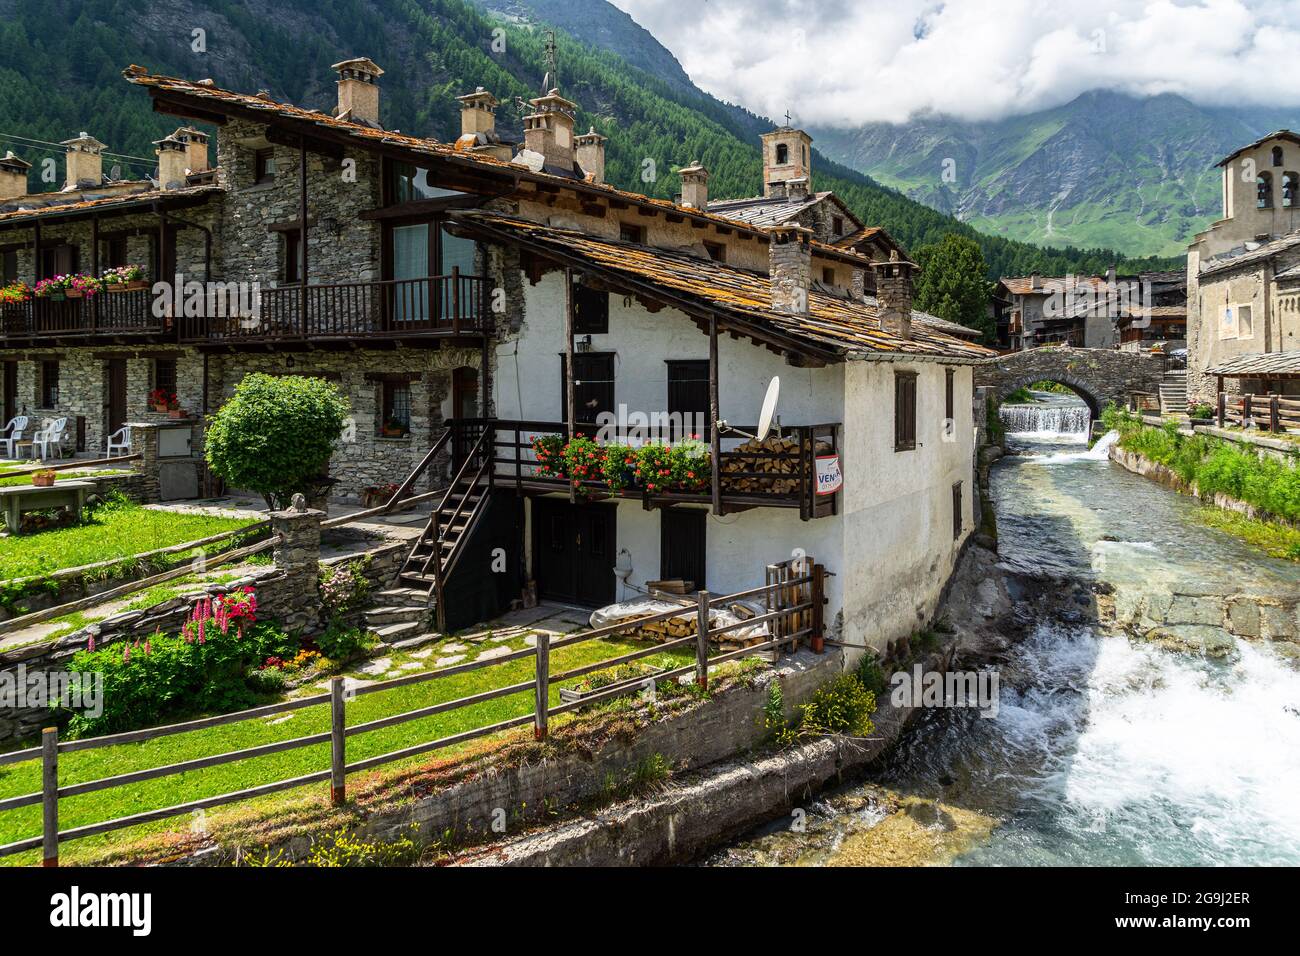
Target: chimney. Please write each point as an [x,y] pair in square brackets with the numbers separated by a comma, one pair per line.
[789,259]
[173,161]
[548,130]
[84,161]
[196,148]
[13,176]
[894,294]
[1035,281]
[695,187]
[787,155]
[478,126]
[358,91]
[590,155]
[796,190]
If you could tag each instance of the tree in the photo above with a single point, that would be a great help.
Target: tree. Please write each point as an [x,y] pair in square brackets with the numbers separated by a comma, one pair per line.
[951,283]
[276,434]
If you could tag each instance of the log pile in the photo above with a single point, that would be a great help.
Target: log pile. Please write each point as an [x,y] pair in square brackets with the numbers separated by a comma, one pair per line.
[775,457]
[684,626]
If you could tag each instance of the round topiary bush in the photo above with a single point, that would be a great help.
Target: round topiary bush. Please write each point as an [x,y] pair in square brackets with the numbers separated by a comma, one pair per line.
[275,435]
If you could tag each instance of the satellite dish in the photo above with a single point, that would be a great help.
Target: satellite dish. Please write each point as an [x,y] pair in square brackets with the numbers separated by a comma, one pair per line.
[769,407]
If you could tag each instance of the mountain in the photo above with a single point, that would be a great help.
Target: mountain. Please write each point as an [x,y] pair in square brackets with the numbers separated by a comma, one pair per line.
[1132,173]
[61,62]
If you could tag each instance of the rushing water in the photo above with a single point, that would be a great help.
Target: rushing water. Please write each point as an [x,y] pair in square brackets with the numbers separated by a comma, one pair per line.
[1049,415]
[1105,750]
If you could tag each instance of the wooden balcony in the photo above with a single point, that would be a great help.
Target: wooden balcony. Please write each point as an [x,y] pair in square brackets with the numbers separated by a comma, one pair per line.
[105,315]
[433,307]
[748,478]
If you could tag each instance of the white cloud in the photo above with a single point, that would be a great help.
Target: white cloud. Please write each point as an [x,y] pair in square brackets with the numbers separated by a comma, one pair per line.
[847,62]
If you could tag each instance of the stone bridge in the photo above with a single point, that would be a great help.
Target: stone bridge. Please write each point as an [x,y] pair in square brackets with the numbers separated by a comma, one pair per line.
[1099,376]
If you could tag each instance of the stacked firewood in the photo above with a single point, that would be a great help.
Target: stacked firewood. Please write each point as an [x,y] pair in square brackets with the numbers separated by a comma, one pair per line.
[685,626]
[742,474]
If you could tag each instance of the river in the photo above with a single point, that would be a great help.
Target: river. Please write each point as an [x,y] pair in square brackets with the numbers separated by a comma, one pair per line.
[1105,750]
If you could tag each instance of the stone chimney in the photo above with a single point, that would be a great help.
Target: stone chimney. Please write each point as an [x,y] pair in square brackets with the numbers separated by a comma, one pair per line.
[796,190]
[1035,281]
[695,187]
[789,265]
[787,155]
[358,91]
[548,130]
[85,162]
[894,294]
[478,126]
[196,148]
[173,161]
[590,155]
[13,176]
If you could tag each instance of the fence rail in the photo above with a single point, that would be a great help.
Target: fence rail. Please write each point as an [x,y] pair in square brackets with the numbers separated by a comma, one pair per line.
[1268,412]
[793,594]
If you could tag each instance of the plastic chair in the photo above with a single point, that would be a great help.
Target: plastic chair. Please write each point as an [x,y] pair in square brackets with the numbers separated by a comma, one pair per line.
[119,443]
[13,434]
[51,438]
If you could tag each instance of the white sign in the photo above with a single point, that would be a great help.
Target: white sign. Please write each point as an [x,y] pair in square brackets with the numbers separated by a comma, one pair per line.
[829,479]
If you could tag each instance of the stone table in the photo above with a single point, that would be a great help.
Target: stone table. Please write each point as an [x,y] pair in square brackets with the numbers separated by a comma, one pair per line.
[18,499]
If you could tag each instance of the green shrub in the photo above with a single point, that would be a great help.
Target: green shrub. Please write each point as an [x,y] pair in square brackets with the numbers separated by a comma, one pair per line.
[842,706]
[342,643]
[276,435]
[344,588]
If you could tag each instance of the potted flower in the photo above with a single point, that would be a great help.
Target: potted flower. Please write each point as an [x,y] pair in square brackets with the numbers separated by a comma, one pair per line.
[124,279]
[160,400]
[549,452]
[1201,413]
[44,478]
[174,409]
[619,467]
[15,293]
[392,428]
[83,286]
[372,496]
[54,288]
[583,462]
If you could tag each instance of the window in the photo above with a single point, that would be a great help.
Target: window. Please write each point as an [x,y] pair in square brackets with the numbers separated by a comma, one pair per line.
[409,183]
[1245,321]
[115,252]
[264,166]
[58,260]
[292,267]
[1277,155]
[631,233]
[397,409]
[949,405]
[716,250]
[49,391]
[590,311]
[1290,190]
[782,154]
[164,375]
[837,226]
[682,546]
[688,398]
[956,511]
[828,275]
[1264,191]
[904,411]
[9,266]
[593,386]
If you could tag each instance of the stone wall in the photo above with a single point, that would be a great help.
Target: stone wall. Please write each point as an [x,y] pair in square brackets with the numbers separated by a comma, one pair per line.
[1098,375]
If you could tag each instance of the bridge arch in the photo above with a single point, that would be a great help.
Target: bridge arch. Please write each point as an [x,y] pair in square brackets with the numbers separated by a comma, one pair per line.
[1098,376]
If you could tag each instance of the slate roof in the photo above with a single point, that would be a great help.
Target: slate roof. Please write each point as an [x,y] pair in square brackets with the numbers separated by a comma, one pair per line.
[764,211]
[1253,257]
[1259,365]
[121,203]
[1276,134]
[834,324]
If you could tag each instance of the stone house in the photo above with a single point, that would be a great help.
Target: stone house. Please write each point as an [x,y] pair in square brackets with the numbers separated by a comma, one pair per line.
[1093,312]
[468,299]
[1243,273]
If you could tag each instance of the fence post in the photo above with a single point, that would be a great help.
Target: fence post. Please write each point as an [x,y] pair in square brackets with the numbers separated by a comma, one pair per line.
[50,796]
[338,741]
[702,640]
[1247,409]
[1273,424]
[818,614]
[543,702]
[1223,408]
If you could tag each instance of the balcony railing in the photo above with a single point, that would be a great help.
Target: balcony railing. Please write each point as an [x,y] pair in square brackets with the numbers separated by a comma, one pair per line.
[128,312]
[393,308]
[781,473]
[235,313]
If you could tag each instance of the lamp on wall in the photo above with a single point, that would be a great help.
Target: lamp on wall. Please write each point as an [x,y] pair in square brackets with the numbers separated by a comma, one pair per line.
[583,344]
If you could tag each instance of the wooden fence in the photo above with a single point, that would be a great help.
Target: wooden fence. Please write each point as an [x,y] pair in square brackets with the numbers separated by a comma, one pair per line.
[793,596]
[1269,412]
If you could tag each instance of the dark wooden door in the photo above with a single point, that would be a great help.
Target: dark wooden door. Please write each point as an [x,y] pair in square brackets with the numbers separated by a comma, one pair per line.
[115,404]
[573,552]
[10,391]
[682,546]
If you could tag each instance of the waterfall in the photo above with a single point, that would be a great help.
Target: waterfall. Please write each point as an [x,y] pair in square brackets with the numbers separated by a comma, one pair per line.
[1047,418]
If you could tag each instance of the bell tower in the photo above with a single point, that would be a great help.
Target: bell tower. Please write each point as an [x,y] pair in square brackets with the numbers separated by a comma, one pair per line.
[787,156]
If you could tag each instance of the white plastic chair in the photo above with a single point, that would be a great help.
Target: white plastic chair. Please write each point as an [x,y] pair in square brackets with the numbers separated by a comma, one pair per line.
[51,438]
[119,443]
[13,434]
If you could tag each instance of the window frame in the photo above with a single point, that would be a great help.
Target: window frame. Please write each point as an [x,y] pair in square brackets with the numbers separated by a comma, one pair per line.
[905,402]
[958,511]
[8,266]
[265,168]
[389,389]
[717,251]
[950,394]
[47,394]
[590,311]
[169,381]
[632,232]
[1264,190]
[291,264]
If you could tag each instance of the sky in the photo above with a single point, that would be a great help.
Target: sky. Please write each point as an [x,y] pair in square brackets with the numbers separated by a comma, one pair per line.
[849,62]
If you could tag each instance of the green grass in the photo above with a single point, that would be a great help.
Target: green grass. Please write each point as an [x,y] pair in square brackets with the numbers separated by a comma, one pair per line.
[136,798]
[119,529]
[1277,540]
[13,480]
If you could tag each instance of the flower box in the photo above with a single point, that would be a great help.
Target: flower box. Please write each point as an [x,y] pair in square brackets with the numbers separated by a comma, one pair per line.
[44,479]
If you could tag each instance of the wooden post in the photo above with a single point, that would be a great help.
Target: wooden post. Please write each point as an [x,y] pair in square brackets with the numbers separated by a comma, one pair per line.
[715,440]
[1223,406]
[93,302]
[819,609]
[1273,424]
[702,640]
[455,300]
[338,722]
[50,796]
[543,702]
[302,234]
[570,413]
[1246,410]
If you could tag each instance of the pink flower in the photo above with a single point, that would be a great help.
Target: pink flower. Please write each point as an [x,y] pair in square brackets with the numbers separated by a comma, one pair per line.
[90,643]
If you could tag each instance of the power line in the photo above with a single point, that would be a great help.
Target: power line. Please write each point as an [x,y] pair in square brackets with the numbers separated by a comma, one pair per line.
[60,147]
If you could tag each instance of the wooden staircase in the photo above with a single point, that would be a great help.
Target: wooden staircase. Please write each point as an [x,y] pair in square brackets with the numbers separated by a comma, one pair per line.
[441,544]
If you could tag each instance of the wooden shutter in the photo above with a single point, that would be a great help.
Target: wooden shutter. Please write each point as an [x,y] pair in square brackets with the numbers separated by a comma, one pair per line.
[682,546]
[904,411]
[593,389]
[590,311]
[688,393]
[948,404]
[956,511]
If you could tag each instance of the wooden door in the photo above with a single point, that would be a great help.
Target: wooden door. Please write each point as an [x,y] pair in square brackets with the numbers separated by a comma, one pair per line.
[682,546]
[593,386]
[573,551]
[115,400]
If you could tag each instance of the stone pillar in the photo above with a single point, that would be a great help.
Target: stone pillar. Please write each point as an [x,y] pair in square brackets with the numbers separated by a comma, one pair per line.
[894,294]
[144,442]
[297,554]
[789,255]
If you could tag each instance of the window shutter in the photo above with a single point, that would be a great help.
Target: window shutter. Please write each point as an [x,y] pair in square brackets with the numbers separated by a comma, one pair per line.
[956,511]
[904,411]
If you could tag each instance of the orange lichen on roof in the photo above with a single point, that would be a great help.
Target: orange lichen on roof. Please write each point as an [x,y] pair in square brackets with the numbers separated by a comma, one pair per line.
[832,324]
[144,197]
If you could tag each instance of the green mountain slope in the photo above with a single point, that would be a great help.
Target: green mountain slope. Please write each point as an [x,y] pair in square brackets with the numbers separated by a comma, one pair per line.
[1135,174]
[60,64]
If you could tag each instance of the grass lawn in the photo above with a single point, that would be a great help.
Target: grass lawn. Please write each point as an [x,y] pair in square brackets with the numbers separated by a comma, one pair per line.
[136,798]
[117,530]
[6,482]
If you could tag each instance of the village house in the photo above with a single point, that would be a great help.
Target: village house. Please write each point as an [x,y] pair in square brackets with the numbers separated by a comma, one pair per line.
[1243,278]
[479,304]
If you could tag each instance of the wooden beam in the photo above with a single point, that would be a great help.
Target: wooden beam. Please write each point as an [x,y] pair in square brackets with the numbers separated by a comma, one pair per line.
[185,111]
[570,414]
[715,439]
[302,233]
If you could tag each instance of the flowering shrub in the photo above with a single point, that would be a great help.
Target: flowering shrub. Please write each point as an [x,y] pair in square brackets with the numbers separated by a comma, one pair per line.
[684,467]
[343,587]
[549,452]
[14,293]
[121,275]
[84,284]
[304,658]
[583,461]
[238,608]
[619,467]
[656,467]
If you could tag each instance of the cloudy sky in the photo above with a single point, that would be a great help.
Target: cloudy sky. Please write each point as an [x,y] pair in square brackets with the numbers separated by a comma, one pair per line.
[846,62]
